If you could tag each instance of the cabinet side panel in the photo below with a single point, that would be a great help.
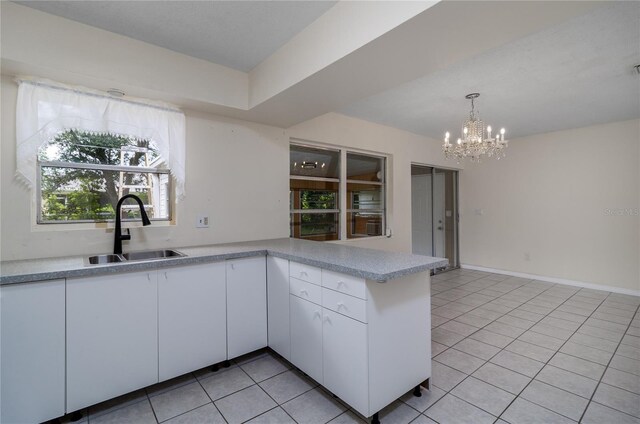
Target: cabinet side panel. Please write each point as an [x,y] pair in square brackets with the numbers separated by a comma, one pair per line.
[278,305]
[399,314]
[112,336]
[192,318]
[32,351]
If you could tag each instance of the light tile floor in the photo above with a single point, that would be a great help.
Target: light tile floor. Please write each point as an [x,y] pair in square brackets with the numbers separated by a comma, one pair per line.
[505,350]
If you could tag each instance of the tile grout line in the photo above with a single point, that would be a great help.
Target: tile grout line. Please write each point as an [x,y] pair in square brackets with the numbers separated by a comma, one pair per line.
[547,362]
[502,349]
[607,368]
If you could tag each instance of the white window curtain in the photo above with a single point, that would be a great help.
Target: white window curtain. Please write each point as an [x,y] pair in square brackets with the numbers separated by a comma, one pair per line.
[46,108]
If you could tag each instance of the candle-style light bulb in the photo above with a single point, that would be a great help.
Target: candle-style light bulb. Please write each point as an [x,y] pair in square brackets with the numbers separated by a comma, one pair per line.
[465,130]
[459,141]
[446,135]
[502,131]
[489,131]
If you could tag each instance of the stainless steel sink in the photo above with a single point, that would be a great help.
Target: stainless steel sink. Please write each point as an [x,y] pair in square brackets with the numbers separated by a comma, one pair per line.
[104,259]
[147,255]
[152,254]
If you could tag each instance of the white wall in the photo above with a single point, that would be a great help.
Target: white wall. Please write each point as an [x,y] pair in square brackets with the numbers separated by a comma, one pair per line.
[550,198]
[237,172]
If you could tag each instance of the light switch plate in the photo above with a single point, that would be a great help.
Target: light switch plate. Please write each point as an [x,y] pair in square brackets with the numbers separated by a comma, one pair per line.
[202,221]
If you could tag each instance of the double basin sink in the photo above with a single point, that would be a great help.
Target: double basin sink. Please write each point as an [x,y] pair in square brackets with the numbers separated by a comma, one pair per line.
[147,255]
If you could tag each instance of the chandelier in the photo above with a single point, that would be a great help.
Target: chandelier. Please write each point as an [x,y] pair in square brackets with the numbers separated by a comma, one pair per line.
[474,142]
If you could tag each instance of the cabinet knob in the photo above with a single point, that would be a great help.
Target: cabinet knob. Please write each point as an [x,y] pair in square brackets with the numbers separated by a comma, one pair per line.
[341,305]
[317,314]
[303,273]
[165,276]
[304,292]
[148,276]
[233,266]
[327,320]
[341,283]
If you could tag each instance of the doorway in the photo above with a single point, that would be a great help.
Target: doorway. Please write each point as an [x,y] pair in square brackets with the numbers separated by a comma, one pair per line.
[434,213]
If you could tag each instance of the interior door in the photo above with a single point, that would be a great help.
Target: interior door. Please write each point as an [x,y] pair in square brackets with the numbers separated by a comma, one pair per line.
[421,215]
[439,222]
[434,213]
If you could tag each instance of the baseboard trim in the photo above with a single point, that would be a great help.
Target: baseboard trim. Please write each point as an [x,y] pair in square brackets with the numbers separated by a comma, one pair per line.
[554,280]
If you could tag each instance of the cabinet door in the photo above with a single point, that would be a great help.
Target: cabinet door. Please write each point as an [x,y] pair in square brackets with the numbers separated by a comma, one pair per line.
[192,318]
[32,352]
[112,336]
[278,305]
[246,305]
[345,368]
[306,337]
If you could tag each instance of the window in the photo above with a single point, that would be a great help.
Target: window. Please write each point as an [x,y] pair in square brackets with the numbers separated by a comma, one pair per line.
[318,177]
[314,190]
[365,195]
[81,176]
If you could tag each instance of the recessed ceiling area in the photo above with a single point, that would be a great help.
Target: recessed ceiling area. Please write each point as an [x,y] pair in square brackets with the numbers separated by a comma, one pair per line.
[544,66]
[574,74]
[236,34]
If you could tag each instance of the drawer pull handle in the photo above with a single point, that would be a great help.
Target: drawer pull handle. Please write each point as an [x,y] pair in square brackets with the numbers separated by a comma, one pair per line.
[341,283]
[303,273]
[317,314]
[148,276]
[327,320]
[341,305]
[304,292]
[165,276]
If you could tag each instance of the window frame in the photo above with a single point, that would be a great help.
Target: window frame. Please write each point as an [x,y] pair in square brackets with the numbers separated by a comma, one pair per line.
[98,167]
[383,190]
[342,181]
[293,211]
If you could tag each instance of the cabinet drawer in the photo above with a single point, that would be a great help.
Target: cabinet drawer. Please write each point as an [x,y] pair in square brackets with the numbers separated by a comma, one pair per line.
[305,272]
[305,290]
[345,304]
[353,286]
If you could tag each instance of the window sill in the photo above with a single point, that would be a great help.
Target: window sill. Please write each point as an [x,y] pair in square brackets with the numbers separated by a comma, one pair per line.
[102,226]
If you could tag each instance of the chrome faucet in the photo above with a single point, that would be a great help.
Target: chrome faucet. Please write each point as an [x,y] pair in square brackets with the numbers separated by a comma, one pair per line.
[117,246]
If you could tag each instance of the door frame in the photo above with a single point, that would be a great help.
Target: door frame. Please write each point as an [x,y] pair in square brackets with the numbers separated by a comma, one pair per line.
[456,210]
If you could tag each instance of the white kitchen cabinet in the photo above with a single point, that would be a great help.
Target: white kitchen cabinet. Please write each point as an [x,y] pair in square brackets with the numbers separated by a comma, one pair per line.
[32,351]
[246,305]
[192,318]
[112,336]
[306,337]
[278,305]
[344,359]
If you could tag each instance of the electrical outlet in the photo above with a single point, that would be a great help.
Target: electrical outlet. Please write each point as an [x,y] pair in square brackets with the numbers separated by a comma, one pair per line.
[202,221]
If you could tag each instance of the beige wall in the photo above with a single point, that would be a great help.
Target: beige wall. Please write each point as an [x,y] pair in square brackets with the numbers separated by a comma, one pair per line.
[237,172]
[402,148]
[551,198]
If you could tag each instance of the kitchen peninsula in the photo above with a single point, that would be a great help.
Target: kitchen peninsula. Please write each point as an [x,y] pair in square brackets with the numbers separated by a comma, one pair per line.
[355,320]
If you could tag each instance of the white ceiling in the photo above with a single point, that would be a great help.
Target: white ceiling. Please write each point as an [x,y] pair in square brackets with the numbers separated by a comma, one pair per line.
[237,34]
[575,74]
[539,66]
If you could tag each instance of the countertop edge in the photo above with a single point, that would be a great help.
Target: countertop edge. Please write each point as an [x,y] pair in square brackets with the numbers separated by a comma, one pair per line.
[115,268]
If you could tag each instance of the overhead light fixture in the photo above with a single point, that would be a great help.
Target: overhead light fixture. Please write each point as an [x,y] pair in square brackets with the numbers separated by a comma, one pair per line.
[309,165]
[474,143]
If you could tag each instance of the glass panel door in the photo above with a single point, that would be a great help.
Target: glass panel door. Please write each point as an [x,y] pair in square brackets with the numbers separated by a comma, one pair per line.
[434,213]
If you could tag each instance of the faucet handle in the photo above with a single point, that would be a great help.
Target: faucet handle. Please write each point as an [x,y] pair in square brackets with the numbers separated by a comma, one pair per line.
[126,236]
